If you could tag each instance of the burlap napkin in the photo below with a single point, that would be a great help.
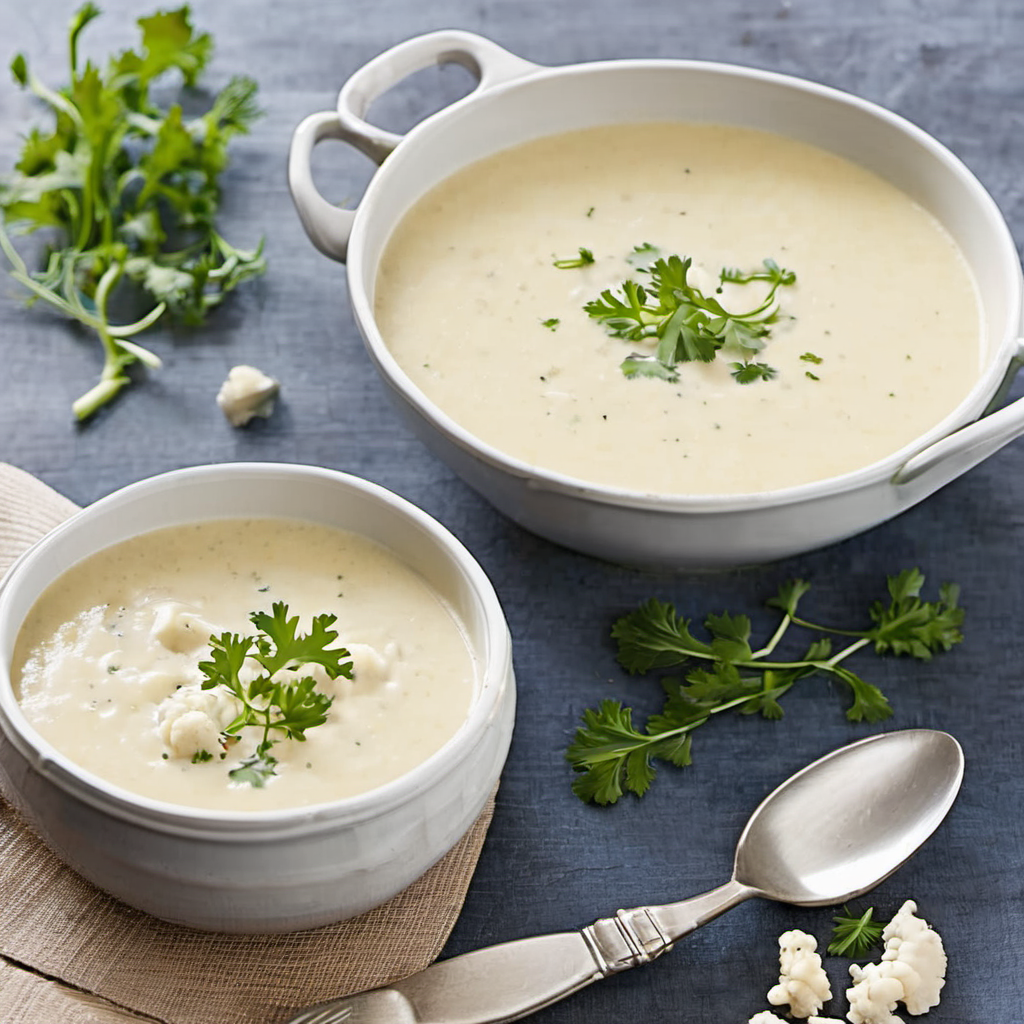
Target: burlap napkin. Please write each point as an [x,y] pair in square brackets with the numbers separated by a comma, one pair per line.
[76,956]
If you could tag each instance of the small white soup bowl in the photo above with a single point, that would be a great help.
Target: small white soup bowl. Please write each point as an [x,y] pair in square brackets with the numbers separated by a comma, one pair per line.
[275,870]
[516,101]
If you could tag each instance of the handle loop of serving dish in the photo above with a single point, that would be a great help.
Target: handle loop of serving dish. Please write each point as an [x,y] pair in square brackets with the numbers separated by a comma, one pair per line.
[954,454]
[329,226]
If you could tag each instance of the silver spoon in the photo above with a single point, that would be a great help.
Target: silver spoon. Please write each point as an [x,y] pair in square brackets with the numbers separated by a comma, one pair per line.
[829,833]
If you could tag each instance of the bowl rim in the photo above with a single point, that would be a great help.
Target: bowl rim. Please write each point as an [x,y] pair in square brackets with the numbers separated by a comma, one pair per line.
[493,679]
[970,407]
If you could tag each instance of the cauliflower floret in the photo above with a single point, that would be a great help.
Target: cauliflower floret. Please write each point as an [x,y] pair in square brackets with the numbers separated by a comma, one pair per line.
[178,627]
[767,1017]
[371,667]
[911,942]
[246,393]
[191,719]
[339,687]
[876,990]
[802,981]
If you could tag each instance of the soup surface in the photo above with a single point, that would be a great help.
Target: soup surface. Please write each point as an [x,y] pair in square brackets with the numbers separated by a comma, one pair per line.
[878,338]
[107,663]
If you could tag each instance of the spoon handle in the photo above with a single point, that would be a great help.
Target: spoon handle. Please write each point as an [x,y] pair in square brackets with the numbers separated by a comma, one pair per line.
[508,981]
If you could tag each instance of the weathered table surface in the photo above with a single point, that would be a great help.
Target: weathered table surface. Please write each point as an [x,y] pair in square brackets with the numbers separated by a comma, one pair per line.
[550,862]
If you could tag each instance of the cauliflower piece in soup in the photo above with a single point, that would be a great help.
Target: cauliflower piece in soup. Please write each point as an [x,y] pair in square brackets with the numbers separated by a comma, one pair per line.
[191,719]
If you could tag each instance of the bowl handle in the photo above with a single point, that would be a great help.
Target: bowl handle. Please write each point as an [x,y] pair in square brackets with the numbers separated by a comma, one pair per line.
[329,226]
[954,454]
[488,62]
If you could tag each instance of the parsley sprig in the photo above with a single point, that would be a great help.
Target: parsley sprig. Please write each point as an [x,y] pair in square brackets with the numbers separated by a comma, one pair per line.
[129,192]
[855,936]
[585,257]
[289,707]
[688,325]
[611,756]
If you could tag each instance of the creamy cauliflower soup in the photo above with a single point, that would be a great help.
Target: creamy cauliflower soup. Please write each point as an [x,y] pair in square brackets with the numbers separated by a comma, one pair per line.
[107,664]
[876,340]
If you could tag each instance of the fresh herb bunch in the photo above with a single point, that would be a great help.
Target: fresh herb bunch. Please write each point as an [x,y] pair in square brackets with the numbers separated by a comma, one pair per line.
[130,191]
[287,707]
[853,936]
[611,755]
[687,324]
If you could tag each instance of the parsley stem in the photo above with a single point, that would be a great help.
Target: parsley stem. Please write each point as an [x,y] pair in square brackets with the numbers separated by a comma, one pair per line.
[829,629]
[787,619]
[53,99]
[847,651]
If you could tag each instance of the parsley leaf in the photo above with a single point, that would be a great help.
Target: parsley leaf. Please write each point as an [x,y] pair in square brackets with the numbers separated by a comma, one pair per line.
[611,756]
[855,936]
[131,191]
[683,323]
[289,706]
[255,769]
[585,257]
[745,373]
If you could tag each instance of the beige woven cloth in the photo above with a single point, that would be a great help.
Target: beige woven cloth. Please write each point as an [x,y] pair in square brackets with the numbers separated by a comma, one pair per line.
[71,954]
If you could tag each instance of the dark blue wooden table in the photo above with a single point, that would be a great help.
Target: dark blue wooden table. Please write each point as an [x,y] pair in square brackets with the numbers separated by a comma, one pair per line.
[550,862]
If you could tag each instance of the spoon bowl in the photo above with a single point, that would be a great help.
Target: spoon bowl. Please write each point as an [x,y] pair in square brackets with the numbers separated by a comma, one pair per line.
[830,832]
[844,823]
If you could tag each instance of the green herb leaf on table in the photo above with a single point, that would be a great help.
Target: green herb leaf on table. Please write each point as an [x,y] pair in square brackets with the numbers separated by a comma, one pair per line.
[289,707]
[130,191]
[611,756]
[853,936]
[685,324]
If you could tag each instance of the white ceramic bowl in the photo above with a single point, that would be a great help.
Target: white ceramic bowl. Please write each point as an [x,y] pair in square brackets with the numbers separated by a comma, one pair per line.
[275,870]
[516,101]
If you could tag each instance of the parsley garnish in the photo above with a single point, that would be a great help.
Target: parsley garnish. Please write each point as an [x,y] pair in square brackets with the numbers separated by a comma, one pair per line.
[289,707]
[687,324]
[855,936]
[643,256]
[745,373]
[551,323]
[130,190]
[585,257]
[724,673]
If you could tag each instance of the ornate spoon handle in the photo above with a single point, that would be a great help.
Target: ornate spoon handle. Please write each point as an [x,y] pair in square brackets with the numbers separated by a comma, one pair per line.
[508,981]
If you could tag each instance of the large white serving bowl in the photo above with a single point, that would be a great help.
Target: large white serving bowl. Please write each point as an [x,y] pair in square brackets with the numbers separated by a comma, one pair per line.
[515,101]
[274,870]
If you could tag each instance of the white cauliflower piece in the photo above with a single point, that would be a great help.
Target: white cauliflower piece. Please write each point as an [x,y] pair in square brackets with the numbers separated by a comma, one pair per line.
[370,666]
[767,1017]
[339,687]
[191,719]
[911,942]
[803,984]
[876,990]
[247,392]
[178,627]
